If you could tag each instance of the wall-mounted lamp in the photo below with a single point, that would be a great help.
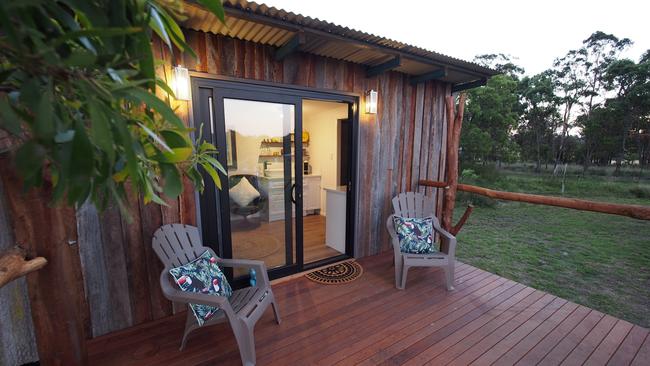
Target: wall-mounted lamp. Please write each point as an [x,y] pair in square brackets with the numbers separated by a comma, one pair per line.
[181,83]
[371,101]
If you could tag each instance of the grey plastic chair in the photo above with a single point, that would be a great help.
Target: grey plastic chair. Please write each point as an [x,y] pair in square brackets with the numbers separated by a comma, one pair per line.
[178,244]
[417,205]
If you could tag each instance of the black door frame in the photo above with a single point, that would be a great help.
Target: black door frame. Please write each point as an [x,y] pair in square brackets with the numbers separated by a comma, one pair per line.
[212,203]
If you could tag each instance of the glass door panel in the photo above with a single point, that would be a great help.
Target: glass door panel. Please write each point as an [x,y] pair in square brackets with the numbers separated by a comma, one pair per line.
[260,154]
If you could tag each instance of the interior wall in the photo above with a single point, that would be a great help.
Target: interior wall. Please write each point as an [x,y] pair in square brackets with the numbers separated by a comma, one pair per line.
[320,119]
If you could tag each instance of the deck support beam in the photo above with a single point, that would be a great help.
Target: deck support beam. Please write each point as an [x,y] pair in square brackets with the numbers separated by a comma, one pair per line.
[437,74]
[290,47]
[383,67]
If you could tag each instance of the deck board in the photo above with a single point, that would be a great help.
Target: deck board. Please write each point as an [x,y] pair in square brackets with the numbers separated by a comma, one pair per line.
[487,319]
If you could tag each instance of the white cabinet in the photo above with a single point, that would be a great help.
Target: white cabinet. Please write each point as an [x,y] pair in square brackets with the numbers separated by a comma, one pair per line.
[311,192]
[273,189]
[335,219]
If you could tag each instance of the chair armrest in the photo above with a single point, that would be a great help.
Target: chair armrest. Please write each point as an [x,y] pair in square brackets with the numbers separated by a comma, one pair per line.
[240,263]
[451,241]
[174,294]
[445,233]
[259,267]
[390,226]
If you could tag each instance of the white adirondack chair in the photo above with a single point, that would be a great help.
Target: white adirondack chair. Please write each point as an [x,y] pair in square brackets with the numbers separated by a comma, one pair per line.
[178,244]
[417,205]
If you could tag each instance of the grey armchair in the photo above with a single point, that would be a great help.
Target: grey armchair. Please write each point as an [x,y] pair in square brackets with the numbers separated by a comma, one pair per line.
[412,205]
[178,244]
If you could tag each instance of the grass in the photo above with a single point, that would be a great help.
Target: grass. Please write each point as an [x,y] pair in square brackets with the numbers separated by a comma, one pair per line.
[597,260]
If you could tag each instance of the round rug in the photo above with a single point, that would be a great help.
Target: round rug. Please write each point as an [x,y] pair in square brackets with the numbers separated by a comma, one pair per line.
[337,274]
[256,246]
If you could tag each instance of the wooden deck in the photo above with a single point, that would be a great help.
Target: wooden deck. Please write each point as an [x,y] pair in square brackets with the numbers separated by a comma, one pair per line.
[486,320]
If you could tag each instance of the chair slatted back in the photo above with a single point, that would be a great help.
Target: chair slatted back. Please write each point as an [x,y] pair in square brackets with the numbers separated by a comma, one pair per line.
[177,244]
[413,205]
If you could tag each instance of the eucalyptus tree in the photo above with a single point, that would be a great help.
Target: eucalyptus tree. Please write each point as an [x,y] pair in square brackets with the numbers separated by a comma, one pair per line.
[630,81]
[490,116]
[540,116]
[580,80]
[78,95]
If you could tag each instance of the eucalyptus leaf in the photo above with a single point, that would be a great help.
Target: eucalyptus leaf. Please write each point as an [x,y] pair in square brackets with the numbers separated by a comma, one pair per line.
[173,185]
[81,86]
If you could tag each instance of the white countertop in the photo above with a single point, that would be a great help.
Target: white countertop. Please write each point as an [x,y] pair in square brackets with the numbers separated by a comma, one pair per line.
[338,189]
[292,177]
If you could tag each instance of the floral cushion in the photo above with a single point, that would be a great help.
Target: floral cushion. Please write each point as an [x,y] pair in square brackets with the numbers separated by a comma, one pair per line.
[415,234]
[202,275]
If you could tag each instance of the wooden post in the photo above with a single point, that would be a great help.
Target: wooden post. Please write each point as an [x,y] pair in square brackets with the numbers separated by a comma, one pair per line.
[56,291]
[454,125]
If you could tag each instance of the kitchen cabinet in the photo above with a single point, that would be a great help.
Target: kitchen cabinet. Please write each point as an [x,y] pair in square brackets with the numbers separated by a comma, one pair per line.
[273,189]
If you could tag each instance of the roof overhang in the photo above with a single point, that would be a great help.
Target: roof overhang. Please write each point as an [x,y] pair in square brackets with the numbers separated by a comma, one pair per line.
[291,32]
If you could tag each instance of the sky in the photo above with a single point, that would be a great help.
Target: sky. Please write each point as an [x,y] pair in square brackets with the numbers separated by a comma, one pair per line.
[534,32]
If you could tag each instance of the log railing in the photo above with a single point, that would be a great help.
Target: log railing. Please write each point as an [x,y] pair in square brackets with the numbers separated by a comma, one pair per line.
[634,211]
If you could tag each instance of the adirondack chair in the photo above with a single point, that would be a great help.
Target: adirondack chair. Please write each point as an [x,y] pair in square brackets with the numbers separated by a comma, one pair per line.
[417,205]
[178,244]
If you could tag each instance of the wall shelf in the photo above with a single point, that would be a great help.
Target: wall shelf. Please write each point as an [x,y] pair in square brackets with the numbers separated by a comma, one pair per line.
[281,144]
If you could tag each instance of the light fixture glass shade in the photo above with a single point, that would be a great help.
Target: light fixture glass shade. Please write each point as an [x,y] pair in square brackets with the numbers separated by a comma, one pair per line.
[371,101]
[181,83]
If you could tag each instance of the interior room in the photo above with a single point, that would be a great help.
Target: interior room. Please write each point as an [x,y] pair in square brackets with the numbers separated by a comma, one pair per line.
[257,136]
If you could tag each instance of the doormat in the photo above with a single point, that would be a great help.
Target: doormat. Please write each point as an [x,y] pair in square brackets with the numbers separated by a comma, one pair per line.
[337,274]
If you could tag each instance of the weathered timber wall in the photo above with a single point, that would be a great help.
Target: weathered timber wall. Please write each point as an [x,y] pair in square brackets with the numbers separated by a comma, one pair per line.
[403,143]
[17,341]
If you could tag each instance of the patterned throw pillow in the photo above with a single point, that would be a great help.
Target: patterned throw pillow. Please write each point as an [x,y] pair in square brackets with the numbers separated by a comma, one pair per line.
[202,275]
[415,234]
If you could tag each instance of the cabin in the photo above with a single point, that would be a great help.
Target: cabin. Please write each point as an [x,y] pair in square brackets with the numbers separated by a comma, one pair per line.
[319,126]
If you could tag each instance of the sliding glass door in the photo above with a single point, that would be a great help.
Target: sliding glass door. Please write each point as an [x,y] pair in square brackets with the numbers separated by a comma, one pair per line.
[257,204]
[289,192]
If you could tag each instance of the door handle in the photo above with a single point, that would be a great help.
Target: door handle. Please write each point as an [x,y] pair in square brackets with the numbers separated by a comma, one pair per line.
[293,193]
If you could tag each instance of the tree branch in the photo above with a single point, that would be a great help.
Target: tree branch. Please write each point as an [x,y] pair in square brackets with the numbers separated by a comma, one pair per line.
[13,264]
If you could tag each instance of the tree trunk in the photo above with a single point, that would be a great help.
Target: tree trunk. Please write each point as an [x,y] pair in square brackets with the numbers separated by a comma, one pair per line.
[454,125]
[538,142]
[56,292]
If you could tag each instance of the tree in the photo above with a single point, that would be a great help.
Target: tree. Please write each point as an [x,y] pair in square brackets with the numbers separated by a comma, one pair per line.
[492,113]
[540,114]
[502,63]
[580,78]
[631,83]
[79,86]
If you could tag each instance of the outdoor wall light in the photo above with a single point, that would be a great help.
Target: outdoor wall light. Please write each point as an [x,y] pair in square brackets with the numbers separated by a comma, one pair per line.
[371,101]
[181,82]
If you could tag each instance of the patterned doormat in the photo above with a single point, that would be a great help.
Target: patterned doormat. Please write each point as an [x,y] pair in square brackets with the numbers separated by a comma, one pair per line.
[337,274]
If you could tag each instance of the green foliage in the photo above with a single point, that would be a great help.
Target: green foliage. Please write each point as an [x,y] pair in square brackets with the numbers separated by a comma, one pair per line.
[490,117]
[79,83]
[640,192]
[591,107]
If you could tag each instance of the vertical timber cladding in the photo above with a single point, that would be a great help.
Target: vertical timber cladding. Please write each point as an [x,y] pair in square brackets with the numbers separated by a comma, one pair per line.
[402,143]
[405,141]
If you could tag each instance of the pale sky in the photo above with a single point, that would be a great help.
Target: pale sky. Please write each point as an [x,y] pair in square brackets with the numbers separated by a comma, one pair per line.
[535,32]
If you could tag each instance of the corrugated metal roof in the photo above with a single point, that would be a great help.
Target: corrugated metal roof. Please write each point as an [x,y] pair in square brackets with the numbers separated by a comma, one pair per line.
[268,25]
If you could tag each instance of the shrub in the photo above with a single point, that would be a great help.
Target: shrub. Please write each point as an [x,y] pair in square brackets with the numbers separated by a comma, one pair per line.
[640,192]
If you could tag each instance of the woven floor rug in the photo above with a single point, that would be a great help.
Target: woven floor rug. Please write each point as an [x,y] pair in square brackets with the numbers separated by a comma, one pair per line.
[337,274]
